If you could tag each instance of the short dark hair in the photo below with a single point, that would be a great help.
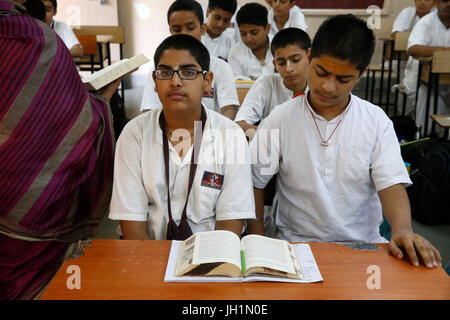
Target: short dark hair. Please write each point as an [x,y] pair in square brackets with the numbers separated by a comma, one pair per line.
[226,5]
[35,9]
[293,36]
[252,13]
[186,5]
[345,37]
[184,42]
[54,3]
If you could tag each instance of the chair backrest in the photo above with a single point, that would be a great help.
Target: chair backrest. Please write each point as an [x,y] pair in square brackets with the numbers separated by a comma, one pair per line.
[117,32]
[401,41]
[441,61]
[88,42]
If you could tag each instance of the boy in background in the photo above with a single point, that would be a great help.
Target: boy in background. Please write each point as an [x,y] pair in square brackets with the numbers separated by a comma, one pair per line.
[337,157]
[285,14]
[431,33]
[252,58]
[186,17]
[405,21]
[219,14]
[290,49]
[62,29]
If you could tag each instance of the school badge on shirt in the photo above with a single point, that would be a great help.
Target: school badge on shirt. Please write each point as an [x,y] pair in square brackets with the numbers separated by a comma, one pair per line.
[212,180]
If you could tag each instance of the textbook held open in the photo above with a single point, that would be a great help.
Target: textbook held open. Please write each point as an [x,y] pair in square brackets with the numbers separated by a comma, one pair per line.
[99,79]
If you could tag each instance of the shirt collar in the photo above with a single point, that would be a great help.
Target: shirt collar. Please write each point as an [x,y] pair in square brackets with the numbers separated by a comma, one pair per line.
[207,136]
[322,118]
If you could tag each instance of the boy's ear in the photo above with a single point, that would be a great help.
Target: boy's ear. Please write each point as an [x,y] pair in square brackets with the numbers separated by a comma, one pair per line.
[154,80]
[203,29]
[267,28]
[275,65]
[207,12]
[209,76]
[308,54]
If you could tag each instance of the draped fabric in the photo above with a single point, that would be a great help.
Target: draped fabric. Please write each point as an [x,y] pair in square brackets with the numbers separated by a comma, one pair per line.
[56,145]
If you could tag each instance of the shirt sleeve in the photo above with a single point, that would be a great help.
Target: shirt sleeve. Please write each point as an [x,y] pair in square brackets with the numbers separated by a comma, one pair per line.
[236,201]
[150,99]
[233,61]
[403,21]
[419,34]
[68,36]
[257,97]
[225,87]
[388,167]
[298,20]
[129,199]
[265,151]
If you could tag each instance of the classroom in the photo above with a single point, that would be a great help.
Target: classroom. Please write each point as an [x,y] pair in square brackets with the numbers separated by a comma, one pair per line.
[316,131]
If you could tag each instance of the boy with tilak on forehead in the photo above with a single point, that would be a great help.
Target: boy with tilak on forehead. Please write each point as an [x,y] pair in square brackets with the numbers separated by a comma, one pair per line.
[337,156]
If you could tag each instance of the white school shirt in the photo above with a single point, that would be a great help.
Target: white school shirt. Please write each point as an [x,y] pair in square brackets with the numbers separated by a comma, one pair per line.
[65,32]
[245,65]
[223,92]
[296,20]
[430,31]
[405,20]
[327,193]
[140,189]
[265,94]
[218,47]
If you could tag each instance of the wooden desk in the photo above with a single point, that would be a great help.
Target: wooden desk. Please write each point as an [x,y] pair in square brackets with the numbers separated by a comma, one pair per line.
[120,269]
[443,120]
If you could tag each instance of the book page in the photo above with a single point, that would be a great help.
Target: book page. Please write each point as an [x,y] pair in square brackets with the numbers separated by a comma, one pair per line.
[217,246]
[267,252]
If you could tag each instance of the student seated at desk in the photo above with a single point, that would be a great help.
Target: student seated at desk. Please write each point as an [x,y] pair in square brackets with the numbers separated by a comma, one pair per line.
[62,29]
[337,156]
[219,14]
[431,33]
[405,21]
[285,14]
[289,48]
[154,174]
[252,58]
[186,16]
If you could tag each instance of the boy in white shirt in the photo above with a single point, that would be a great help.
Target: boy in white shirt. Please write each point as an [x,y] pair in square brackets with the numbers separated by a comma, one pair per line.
[405,21]
[252,58]
[63,30]
[431,33]
[285,14]
[181,168]
[186,16]
[337,156]
[219,14]
[289,48]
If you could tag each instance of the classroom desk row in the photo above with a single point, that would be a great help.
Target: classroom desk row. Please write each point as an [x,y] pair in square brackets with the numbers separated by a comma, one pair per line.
[128,269]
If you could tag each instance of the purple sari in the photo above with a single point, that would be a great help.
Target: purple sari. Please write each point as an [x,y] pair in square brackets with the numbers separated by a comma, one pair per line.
[56,154]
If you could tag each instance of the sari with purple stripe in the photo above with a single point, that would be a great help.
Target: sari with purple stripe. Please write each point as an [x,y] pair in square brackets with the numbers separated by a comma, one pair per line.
[56,154]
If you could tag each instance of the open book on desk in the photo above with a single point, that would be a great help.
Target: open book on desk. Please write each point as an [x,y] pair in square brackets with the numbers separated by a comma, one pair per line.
[99,79]
[220,256]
